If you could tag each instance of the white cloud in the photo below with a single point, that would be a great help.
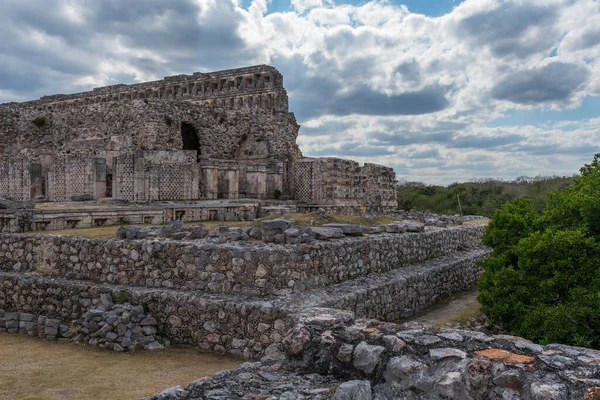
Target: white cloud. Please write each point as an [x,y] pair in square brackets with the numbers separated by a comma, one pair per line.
[304,5]
[373,82]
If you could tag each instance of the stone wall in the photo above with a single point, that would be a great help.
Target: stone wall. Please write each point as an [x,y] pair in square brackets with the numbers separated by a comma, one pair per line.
[118,327]
[151,125]
[232,297]
[404,292]
[18,221]
[15,180]
[415,362]
[337,183]
[156,176]
[333,356]
[239,326]
[259,86]
[72,177]
[258,270]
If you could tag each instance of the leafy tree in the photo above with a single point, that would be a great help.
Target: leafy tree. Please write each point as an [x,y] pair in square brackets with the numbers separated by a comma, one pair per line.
[542,280]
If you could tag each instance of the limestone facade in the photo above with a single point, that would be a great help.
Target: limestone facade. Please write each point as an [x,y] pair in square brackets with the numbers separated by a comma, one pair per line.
[205,136]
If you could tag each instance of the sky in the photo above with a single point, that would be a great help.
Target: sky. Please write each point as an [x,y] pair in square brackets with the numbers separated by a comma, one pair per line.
[441,90]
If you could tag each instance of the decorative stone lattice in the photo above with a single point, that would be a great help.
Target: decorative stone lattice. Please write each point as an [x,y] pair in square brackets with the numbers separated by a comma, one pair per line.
[337,182]
[172,184]
[124,177]
[303,178]
[80,177]
[57,189]
[15,179]
[69,177]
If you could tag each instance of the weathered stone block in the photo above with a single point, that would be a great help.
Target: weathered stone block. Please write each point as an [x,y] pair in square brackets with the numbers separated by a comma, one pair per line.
[349,229]
[327,233]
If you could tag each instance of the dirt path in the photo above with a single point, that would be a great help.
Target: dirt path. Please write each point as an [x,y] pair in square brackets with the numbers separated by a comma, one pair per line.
[33,368]
[456,308]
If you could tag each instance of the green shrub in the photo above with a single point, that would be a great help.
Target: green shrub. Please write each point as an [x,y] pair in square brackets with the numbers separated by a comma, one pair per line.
[122,296]
[40,122]
[542,280]
[509,224]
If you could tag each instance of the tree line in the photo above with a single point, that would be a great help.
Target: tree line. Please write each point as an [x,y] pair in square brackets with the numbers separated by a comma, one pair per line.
[481,196]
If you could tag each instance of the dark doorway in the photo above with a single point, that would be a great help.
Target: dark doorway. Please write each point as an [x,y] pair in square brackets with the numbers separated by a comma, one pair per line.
[190,138]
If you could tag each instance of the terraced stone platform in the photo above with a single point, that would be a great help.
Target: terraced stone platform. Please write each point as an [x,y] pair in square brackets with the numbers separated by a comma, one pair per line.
[238,298]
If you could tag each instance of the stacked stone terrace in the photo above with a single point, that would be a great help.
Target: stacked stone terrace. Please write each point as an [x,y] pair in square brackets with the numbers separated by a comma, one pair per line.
[221,292]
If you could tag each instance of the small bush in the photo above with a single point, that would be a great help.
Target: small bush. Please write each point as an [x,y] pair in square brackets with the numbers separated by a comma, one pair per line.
[122,296]
[40,122]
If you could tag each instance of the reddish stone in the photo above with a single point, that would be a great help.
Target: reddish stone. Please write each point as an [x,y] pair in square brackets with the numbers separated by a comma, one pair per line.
[513,359]
[493,354]
[593,394]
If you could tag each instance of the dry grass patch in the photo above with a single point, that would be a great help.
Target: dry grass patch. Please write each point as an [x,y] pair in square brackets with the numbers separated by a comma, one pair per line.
[95,232]
[483,221]
[32,368]
[456,309]
[315,219]
[311,219]
[111,231]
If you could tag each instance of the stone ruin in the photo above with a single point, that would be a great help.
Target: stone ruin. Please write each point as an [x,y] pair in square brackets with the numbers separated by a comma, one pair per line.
[311,312]
[207,136]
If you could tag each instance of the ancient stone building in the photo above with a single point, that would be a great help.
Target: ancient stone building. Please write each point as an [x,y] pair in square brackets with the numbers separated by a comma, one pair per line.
[205,136]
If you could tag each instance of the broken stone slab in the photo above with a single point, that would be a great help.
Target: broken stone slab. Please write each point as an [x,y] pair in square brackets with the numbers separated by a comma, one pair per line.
[197,232]
[12,204]
[451,386]
[436,222]
[349,229]
[353,390]
[173,227]
[548,390]
[413,226]
[367,357]
[277,223]
[394,228]
[376,229]
[404,371]
[292,232]
[153,346]
[253,232]
[447,352]
[327,233]
[173,393]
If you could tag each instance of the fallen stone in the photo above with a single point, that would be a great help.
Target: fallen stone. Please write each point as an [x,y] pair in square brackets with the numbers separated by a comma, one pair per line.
[348,229]
[548,391]
[153,346]
[404,370]
[451,386]
[438,354]
[353,390]
[327,233]
[278,223]
[367,357]
[413,226]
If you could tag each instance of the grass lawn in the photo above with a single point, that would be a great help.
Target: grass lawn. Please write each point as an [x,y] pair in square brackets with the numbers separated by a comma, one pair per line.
[33,368]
